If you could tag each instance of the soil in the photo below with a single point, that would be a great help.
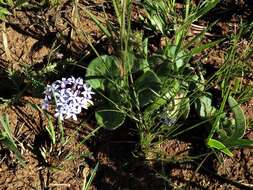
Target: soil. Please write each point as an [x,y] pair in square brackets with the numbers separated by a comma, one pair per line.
[181,163]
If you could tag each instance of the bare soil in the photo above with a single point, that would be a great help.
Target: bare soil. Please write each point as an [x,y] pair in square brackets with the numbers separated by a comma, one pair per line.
[184,162]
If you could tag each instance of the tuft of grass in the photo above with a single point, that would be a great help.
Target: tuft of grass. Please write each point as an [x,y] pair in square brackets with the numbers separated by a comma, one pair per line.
[8,140]
[157,90]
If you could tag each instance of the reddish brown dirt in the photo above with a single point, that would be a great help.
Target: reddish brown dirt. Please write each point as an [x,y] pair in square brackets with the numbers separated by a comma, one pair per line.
[55,170]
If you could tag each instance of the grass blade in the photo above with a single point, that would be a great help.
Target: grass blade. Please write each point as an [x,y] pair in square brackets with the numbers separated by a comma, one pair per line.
[86,186]
[97,22]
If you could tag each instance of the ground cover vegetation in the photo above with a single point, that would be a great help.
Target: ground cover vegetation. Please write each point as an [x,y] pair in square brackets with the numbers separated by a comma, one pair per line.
[122,94]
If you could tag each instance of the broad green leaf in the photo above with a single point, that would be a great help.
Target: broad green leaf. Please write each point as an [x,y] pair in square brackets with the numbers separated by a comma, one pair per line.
[203,106]
[155,106]
[147,86]
[240,121]
[110,119]
[141,65]
[100,69]
[3,12]
[146,96]
[172,90]
[212,143]
[238,129]
[115,95]
[178,106]
[148,80]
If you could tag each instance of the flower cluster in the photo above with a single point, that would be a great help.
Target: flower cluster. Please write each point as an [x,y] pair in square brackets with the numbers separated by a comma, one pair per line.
[70,96]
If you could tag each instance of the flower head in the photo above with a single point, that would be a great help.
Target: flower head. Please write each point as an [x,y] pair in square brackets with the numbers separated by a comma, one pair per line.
[70,96]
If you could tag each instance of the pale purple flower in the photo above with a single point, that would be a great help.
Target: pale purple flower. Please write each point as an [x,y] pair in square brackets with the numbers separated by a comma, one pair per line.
[70,96]
[79,81]
[87,91]
[59,55]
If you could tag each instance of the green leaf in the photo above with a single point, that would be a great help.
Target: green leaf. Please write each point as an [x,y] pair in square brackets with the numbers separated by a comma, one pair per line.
[156,13]
[12,146]
[5,123]
[146,96]
[50,129]
[185,107]
[239,128]
[3,12]
[7,139]
[155,106]
[212,143]
[10,3]
[141,62]
[109,118]
[203,106]
[147,86]
[148,80]
[100,69]
[87,186]
[178,106]
[204,8]
[218,116]
[240,121]
[177,56]
[173,89]
[157,21]
[20,3]
[242,143]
